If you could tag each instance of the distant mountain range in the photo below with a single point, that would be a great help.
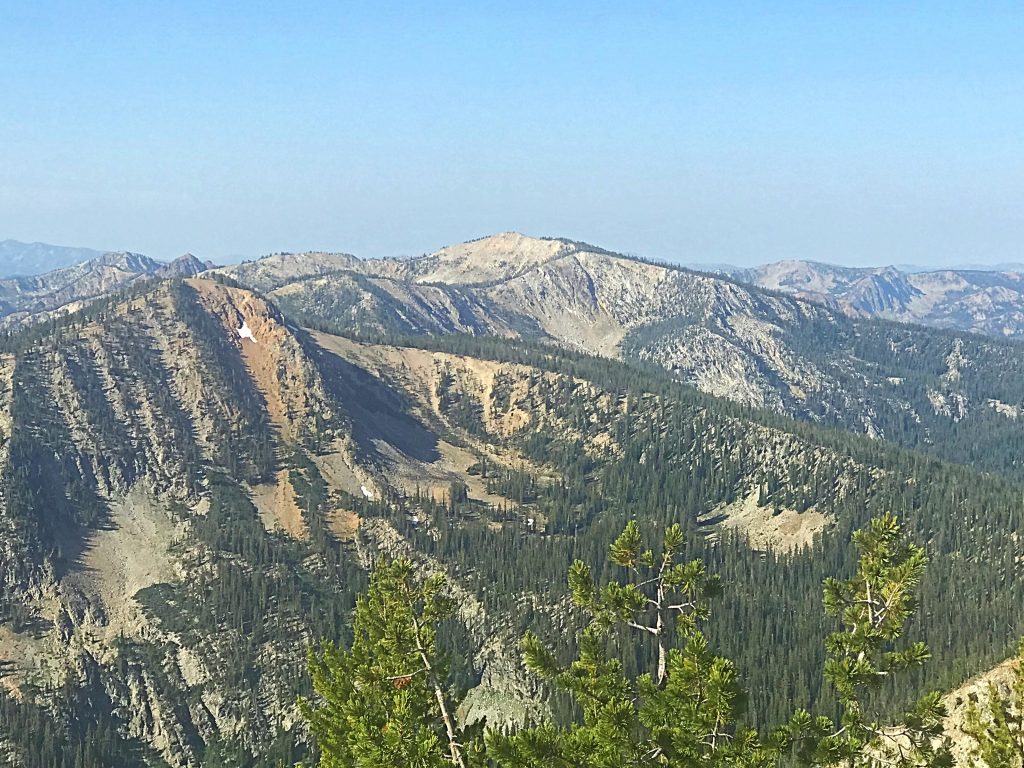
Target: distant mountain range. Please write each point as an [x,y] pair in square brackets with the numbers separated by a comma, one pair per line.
[981,301]
[18,259]
[66,289]
[770,349]
[21,259]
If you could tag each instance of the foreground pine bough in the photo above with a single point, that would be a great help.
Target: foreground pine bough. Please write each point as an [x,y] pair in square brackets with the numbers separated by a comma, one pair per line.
[384,701]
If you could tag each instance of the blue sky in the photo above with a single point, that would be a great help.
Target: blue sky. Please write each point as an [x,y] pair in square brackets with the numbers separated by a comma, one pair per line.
[857,133]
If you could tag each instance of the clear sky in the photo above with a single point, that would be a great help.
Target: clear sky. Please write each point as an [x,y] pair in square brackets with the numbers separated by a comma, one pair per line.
[853,132]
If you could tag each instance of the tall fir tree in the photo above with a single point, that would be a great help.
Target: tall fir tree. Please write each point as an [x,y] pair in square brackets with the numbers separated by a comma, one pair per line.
[384,702]
[684,712]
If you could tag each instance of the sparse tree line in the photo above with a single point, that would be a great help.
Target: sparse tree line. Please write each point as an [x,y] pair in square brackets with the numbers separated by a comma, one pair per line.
[385,700]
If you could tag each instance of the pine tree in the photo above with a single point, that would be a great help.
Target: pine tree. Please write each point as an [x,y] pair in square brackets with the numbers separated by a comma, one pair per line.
[998,730]
[682,713]
[874,607]
[382,703]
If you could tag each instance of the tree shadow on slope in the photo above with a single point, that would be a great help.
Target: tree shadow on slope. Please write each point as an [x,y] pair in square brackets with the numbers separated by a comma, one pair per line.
[60,494]
[379,412]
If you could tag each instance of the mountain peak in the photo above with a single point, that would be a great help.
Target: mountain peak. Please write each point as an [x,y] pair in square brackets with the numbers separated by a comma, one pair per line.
[131,262]
[505,243]
[277,269]
[486,259]
[185,265]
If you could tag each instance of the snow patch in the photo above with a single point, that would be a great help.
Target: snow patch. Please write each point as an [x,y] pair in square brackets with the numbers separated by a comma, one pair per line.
[245,332]
[367,492]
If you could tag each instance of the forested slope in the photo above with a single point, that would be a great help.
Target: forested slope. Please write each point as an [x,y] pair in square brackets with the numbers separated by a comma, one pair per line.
[597,447]
[194,488]
[145,570]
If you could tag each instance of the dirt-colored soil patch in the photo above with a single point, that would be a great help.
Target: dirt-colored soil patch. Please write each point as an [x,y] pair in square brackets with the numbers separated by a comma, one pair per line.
[336,469]
[130,554]
[278,507]
[343,523]
[290,386]
[769,527]
[6,396]
[22,657]
[259,345]
[419,373]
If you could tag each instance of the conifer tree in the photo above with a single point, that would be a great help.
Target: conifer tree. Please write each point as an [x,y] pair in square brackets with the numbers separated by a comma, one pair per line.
[873,607]
[681,713]
[383,703]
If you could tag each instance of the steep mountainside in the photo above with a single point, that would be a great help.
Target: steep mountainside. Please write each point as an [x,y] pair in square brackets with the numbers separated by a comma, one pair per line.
[65,290]
[193,488]
[912,386]
[158,440]
[22,259]
[566,292]
[186,265]
[988,302]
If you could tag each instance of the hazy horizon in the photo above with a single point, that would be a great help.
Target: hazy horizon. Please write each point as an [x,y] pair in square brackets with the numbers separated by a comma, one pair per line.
[708,265]
[860,135]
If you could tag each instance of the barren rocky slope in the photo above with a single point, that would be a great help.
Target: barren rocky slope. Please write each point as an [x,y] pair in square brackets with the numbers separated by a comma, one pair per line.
[756,347]
[570,293]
